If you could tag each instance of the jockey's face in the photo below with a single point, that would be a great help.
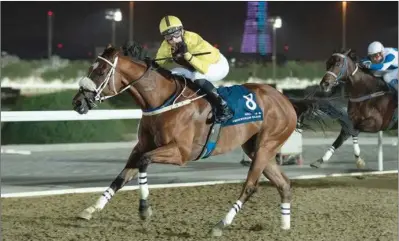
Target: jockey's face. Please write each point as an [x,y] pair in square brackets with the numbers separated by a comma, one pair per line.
[175,37]
[376,58]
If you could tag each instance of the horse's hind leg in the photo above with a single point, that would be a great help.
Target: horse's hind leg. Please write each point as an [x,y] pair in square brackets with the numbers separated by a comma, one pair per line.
[281,181]
[122,179]
[278,178]
[260,161]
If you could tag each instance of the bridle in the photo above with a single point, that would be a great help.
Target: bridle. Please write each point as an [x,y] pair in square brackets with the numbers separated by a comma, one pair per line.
[342,71]
[111,74]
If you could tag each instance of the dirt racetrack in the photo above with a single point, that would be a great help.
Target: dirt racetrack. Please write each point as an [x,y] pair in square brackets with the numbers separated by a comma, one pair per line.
[336,209]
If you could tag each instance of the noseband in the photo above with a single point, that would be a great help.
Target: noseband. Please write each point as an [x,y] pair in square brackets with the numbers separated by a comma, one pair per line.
[343,69]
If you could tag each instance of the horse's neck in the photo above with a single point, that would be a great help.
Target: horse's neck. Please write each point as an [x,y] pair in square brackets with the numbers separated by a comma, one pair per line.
[152,90]
[364,84]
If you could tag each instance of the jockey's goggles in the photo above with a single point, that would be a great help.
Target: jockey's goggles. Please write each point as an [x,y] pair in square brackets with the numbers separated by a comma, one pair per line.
[175,34]
[376,56]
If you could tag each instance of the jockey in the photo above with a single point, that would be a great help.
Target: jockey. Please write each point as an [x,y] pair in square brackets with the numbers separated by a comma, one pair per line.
[382,62]
[201,61]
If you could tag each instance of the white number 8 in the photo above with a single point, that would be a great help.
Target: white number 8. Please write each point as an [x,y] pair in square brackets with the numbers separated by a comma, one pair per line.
[250,103]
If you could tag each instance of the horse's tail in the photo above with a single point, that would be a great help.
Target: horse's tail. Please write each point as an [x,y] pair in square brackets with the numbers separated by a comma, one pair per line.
[309,109]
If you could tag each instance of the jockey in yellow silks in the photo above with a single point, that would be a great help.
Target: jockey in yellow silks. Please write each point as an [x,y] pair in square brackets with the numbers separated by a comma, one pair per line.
[200,61]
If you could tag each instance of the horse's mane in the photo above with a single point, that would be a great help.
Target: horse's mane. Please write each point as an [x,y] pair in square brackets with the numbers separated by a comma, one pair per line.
[138,54]
[108,51]
[355,58]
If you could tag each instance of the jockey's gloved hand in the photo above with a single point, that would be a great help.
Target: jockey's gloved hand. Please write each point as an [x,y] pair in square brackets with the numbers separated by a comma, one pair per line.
[365,64]
[182,48]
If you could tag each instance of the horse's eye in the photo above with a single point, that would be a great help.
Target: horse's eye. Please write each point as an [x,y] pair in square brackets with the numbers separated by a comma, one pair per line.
[100,72]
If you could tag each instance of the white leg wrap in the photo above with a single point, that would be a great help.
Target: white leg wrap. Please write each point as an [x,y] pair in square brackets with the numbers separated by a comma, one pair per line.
[356,148]
[328,154]
[285,215]
[142,179]
[104,199]
[232,213]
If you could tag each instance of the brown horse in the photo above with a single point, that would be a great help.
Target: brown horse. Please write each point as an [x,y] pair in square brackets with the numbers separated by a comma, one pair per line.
[176,133]
[371,104]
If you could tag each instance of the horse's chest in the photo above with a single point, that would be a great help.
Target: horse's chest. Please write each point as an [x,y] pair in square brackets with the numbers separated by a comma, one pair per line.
[162,133]
[160,138]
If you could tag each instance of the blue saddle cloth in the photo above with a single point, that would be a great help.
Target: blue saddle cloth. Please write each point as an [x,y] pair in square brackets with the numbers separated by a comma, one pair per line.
[243,103]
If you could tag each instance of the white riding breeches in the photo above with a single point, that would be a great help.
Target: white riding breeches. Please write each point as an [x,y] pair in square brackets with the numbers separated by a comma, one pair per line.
[391,78]
[215,72]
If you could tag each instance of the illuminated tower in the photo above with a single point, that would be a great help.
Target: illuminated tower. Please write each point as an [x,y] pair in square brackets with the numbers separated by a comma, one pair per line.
[255,38]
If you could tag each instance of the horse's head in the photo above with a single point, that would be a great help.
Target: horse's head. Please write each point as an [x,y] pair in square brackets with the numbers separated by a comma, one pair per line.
[108,76]
[339,67]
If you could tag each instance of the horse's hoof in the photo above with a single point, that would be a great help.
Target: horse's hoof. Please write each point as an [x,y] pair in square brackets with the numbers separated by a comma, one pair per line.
[317,163]
[217,231]
[87,214]
[145,214]
[360,163]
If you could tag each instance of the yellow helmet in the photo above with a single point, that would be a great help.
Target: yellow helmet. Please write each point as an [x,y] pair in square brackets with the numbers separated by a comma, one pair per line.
[169,24]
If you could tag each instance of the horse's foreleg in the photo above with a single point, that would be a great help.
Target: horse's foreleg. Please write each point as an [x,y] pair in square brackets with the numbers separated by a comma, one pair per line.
[261,159]
[168,154]
[343,136]
[145,210]
[122,179]
[356,150]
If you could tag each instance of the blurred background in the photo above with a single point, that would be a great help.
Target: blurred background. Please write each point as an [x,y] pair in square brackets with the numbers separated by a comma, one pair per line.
[47,47]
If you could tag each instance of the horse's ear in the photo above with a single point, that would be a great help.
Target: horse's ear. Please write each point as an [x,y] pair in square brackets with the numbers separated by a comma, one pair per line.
[353,55]
[347,52]
[108,46]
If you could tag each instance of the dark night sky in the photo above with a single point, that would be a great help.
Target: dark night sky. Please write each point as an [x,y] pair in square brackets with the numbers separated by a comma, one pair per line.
[311,29]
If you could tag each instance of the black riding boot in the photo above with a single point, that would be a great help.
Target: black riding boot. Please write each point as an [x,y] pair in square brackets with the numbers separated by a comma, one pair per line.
[223,112]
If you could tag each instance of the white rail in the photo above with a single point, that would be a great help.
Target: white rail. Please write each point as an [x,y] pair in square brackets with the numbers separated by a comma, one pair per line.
[70,115]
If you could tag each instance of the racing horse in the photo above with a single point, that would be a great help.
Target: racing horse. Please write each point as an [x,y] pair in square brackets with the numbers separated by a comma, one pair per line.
[178,126]
[372,106]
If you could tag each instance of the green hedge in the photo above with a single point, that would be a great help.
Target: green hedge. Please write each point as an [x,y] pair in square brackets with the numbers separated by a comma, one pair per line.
[67,131]
[21,69]
[70,71]
[75,69]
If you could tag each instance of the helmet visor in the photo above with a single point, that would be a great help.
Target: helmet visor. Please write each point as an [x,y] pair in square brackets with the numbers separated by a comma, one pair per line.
[175,34]
[171,30]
